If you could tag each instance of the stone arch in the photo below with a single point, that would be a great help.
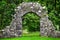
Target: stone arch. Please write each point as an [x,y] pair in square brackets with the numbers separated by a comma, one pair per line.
[39,10]
[30,7]
[15,29]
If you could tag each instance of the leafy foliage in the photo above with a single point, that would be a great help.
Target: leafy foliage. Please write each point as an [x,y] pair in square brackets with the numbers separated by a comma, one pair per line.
[7,9]
[31,21]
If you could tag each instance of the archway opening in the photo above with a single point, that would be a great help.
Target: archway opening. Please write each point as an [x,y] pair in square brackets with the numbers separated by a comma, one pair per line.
[31,24]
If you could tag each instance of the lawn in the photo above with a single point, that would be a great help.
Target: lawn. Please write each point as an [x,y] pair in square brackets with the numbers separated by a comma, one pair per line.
[31,36]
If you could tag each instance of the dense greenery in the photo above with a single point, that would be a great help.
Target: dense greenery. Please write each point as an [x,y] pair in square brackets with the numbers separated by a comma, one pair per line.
[7,10]
[31,21]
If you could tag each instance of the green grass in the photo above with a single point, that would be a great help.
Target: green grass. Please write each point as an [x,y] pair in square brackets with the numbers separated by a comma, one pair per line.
[31,36]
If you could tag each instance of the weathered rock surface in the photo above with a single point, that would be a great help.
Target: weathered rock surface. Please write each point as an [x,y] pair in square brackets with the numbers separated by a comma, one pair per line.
[15,28]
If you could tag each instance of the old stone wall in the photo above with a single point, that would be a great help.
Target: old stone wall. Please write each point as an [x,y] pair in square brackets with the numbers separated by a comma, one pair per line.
[15,28]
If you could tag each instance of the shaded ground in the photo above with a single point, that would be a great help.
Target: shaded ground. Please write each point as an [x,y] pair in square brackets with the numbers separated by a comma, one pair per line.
[31,36]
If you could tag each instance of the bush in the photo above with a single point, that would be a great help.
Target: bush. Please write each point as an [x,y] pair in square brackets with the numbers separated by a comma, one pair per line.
[31,21]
